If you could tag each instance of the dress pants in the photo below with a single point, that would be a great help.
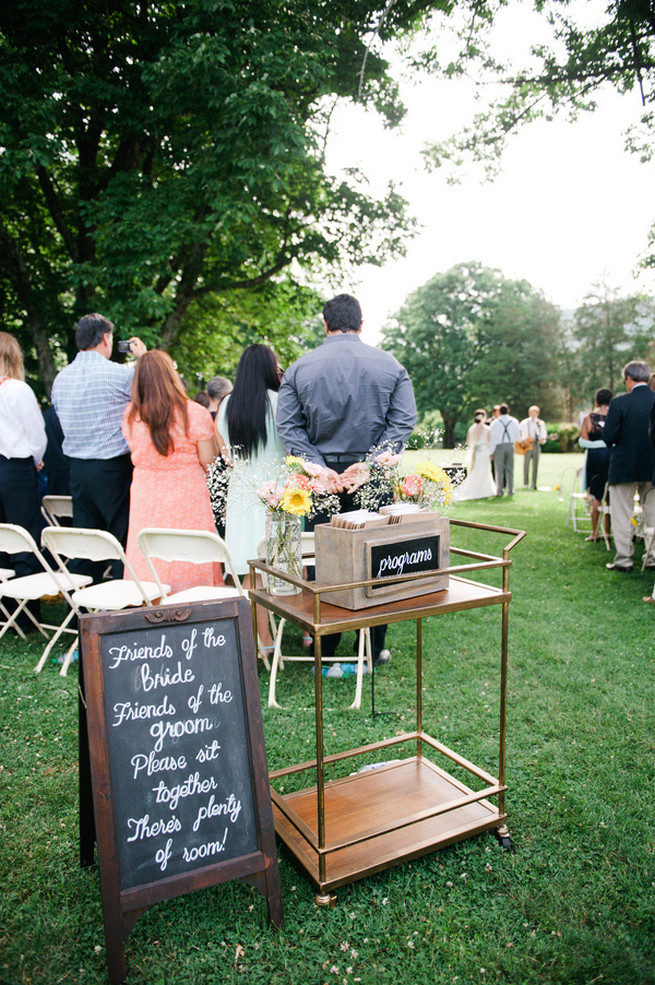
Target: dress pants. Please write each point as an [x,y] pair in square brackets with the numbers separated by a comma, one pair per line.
[622,510]
[531,457]
[101,499]
[20,504]
[504,462]
[347,505]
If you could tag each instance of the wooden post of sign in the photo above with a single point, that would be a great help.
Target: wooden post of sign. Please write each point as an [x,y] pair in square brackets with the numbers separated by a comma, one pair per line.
[178,766]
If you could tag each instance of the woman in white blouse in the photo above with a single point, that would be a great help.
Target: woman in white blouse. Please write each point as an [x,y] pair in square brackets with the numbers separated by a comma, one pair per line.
[22,444]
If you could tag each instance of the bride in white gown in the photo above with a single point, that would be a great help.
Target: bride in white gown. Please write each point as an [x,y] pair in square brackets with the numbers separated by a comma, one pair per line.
[479,483]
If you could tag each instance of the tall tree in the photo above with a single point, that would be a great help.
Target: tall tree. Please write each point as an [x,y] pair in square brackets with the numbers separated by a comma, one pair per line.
[470,337]
[614,46]
[154,153]
[609,330]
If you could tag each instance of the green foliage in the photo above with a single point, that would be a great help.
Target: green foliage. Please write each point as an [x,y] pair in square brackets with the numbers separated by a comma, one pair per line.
[155,154]
[562,438]
[609,331]
[470,337]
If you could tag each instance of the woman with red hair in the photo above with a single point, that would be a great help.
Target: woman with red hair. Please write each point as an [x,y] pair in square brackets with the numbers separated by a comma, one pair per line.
[172,442]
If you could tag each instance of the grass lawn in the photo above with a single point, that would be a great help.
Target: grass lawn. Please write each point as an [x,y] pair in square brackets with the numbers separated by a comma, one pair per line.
[572,904]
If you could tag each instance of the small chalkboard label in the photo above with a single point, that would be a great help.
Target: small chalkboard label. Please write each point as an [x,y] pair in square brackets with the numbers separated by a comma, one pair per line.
[404,557]
[181,790]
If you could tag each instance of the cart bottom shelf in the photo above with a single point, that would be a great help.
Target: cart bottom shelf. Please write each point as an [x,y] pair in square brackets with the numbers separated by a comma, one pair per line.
[357,806]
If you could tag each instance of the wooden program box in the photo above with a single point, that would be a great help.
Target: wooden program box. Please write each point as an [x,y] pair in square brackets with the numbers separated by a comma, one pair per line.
[344,556]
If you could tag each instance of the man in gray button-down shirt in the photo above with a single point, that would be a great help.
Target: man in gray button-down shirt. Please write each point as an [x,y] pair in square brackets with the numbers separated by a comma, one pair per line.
[342,401]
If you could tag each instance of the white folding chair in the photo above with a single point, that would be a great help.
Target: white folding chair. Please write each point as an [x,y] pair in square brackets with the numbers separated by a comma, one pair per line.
[116,593]
[579,512]
[191,547]
[54,506]
[364,649]
[5,575]
[28,588]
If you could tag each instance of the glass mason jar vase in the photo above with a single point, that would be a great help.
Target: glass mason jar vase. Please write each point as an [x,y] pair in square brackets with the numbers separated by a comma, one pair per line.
[283,551]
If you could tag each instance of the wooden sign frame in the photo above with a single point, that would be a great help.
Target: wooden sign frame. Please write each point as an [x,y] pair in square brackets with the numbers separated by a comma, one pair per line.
[124,896]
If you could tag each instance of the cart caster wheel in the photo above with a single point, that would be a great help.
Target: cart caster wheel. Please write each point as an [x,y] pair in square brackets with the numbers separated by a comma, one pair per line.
[503,838]
[326,899]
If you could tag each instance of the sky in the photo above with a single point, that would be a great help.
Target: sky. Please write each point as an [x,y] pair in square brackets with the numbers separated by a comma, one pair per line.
[571,206]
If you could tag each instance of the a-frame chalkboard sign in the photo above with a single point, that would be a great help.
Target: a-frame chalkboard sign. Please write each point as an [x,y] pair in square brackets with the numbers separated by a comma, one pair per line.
[181,796]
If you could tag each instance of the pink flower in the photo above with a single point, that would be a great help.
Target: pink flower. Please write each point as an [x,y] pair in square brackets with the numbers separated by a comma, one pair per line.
[411,485]
[386,458]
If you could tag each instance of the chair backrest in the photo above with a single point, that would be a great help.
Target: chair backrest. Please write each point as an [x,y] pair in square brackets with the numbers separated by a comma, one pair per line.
[92,545]
[15,539]
[54,506]
[190,546]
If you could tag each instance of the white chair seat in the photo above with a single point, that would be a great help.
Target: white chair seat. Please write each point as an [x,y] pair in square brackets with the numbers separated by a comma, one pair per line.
[116,594]
[42,585]
[6,573]
[203,593]
[14,540]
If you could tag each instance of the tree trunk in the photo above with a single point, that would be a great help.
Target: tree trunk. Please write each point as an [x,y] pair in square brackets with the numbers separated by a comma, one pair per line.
[449,422]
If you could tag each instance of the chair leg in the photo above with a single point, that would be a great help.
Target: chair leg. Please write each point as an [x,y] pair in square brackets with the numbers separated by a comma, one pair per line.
[69,656]
[277,663]
[7,616]
[364,652]
[60,632]
[11,622]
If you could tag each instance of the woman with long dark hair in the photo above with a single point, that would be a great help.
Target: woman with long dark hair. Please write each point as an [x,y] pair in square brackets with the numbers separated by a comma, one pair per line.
[171,439]
[246,423]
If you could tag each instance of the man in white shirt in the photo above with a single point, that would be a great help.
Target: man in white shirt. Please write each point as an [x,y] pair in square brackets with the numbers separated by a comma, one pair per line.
[504,431]
[533,431]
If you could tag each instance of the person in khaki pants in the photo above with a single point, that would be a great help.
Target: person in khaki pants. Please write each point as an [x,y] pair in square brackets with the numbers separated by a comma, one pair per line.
[533,430]
[632,461]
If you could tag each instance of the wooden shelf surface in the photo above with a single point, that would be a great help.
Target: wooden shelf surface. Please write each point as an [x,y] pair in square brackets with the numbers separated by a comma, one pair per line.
[460,594]
[358,805]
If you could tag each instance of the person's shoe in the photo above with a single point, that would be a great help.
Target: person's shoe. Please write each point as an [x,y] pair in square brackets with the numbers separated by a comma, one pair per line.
[383,657]
[618,567]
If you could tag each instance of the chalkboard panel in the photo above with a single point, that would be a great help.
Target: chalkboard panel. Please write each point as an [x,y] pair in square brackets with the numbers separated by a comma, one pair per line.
[180,783]
[404,557]
[182,790]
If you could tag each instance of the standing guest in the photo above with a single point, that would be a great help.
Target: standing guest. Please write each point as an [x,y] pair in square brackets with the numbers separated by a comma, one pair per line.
[22,446]
[202,398]
[90,396]
[55,464]
[338,403]
[632,461]
[171,439]
[246,426]
[217,389]
[592,437]
[504,431]
[533,433]
[478,483]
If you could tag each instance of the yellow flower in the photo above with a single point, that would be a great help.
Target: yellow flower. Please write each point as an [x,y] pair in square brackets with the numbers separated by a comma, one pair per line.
[431,471]
[294,464]
[296,501]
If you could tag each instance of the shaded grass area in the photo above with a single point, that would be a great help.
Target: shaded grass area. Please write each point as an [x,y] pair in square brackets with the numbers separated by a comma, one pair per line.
[573,903]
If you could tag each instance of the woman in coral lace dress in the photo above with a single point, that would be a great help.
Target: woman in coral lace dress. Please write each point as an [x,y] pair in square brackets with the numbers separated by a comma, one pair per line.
[172,442]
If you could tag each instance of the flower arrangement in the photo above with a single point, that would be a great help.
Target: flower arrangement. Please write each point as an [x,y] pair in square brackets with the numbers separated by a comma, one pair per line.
[428,485]
[301,491]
